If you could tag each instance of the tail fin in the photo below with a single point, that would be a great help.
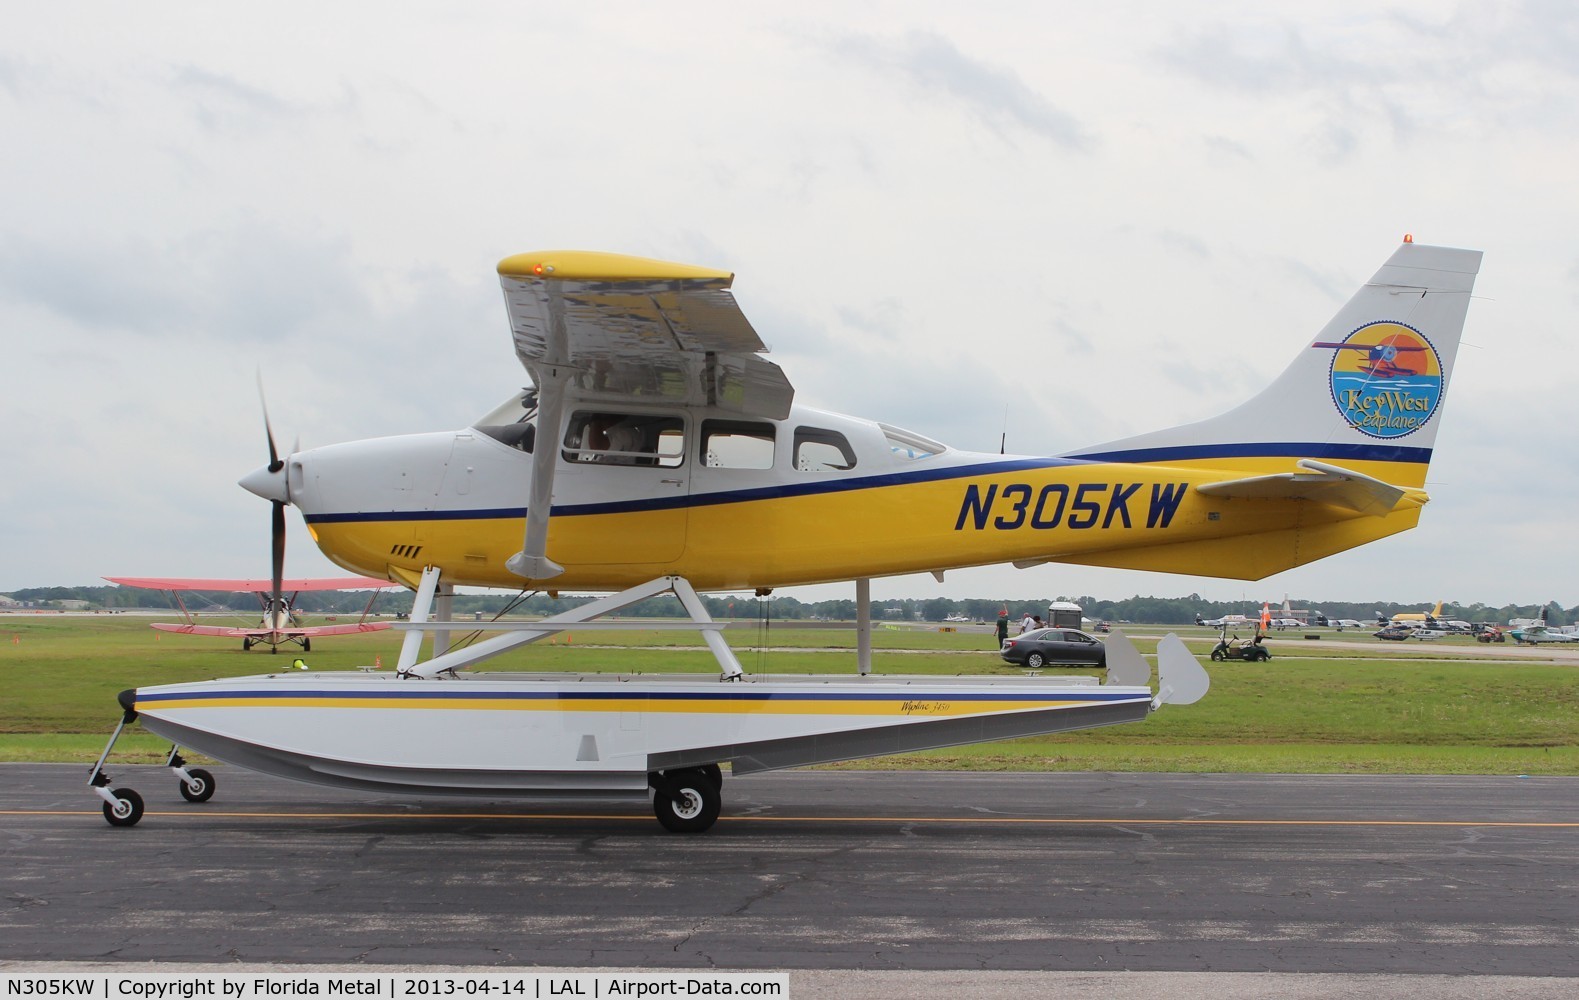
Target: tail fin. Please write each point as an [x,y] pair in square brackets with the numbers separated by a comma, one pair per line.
[1368,388]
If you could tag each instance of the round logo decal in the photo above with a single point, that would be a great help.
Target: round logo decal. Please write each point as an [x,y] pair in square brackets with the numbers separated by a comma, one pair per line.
[1386,379]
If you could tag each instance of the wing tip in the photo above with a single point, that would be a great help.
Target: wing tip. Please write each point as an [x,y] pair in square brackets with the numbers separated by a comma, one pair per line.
[593,265]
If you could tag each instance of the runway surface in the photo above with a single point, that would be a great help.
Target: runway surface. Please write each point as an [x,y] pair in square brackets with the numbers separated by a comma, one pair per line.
[813,870]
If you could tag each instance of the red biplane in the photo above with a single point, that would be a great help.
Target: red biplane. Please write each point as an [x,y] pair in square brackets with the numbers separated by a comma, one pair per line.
[280,624]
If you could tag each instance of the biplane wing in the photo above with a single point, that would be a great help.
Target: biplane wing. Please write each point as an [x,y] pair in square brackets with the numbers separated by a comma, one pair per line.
[278,624]
[239,632]
[251,586]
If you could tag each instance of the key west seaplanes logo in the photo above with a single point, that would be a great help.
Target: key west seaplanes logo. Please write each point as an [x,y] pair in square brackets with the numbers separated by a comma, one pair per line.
[1386,379]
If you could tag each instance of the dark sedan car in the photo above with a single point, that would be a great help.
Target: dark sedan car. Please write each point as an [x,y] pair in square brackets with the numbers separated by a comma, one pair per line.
[1042,646]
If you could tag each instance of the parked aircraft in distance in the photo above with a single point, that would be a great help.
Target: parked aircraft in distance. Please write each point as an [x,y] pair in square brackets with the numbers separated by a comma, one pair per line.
[280,624]
[658,452]
[1230,620]
[1429,617]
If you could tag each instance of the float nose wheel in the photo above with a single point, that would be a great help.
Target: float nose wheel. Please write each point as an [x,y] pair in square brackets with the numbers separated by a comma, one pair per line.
[687,800]
[122,806]
[198,786]
[127,808]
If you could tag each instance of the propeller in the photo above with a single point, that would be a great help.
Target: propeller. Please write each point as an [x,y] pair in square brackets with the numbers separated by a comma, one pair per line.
[277,520]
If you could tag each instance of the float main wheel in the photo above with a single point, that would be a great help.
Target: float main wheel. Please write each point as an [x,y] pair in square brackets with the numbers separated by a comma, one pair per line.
[686,801]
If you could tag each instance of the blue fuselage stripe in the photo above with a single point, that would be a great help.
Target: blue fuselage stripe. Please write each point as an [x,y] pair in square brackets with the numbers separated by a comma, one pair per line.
[1351,453]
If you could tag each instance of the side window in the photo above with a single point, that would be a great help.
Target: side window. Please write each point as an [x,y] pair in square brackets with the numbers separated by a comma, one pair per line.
[737,444]
[817,449]
[613,438]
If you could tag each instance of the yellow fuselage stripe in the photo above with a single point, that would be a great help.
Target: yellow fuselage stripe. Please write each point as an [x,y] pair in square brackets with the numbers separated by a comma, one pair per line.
[879,530]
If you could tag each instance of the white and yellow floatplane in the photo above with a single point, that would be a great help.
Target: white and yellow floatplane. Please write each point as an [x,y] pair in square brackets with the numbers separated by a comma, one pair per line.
[658,452]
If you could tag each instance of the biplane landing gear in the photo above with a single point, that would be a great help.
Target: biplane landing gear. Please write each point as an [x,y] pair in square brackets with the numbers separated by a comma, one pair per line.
[687,800]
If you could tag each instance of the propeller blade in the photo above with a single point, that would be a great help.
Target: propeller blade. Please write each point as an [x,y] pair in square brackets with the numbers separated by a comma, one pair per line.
[275,463]
[277,536]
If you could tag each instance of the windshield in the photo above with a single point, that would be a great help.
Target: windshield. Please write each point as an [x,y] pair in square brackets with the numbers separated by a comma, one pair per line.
[513,422]
[905,444]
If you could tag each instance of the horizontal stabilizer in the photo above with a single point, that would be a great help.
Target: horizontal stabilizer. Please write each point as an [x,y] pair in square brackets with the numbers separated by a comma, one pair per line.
[1320,483]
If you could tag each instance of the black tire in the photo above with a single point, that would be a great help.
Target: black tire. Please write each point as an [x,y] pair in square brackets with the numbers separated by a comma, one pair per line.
[714,772]
[307,644]
[132,812]
[1035,661]
[274,649]
[686,801]
[205,785]
[246,644]
[1217,655]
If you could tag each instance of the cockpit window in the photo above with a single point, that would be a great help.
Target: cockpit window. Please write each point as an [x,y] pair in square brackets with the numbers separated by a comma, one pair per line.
[615,438]
[513,422]
[909,445]
[737,444]
[817,450]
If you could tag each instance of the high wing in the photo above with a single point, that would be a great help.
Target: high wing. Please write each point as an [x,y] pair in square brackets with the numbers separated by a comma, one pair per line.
[252,586]
[596,326]
[631,328]
[310,631]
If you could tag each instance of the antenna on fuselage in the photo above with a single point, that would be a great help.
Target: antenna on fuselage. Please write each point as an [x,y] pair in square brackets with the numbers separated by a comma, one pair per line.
[1003,439]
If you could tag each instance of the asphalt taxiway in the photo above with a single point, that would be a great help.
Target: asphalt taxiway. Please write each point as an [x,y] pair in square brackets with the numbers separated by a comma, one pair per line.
[813,870]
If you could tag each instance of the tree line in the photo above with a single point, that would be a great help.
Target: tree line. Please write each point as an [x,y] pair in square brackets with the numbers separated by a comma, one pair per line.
[1152,610]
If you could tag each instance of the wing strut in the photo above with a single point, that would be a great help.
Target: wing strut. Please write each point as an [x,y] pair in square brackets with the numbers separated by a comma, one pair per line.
[532,562]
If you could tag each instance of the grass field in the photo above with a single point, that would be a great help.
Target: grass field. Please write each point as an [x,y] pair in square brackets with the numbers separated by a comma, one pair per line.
[1333,706]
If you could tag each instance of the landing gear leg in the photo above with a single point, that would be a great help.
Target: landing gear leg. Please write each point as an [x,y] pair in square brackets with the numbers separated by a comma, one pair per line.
[122,806]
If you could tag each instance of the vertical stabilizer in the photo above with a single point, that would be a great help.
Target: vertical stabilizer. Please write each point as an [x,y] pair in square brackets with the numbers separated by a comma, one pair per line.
[1369,387]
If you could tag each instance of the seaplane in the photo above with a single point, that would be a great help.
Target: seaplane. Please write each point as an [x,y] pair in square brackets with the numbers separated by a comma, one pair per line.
[281,623]
[1533,632]
[658,451]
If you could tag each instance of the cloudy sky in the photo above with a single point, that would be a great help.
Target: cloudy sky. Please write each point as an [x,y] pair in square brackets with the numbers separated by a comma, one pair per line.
[1093,223]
